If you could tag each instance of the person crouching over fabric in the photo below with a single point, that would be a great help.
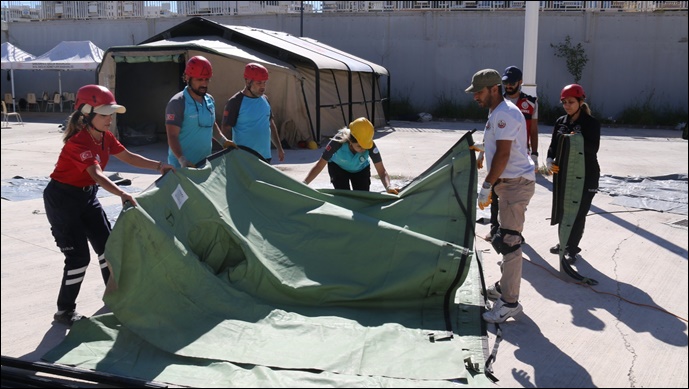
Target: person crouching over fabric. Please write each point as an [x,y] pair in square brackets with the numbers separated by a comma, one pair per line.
[347,156]
[75,215]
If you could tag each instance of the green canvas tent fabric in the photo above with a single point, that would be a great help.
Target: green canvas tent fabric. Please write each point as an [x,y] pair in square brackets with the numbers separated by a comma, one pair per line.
[234,274]
[568,186]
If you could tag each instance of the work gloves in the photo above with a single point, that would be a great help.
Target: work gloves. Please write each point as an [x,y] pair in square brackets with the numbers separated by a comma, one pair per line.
[184,163]
[479,160]
[552,168]
[478,147]
[481,150]
[484,197]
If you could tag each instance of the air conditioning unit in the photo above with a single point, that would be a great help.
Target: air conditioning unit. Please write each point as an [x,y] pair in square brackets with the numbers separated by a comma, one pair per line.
[128,7]
[93,8]
[58,9]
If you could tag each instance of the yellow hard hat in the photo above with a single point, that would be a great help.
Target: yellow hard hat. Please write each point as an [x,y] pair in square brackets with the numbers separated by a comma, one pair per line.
[362,130]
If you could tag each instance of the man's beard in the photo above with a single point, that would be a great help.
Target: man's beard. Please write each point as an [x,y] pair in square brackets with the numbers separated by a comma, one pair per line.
[198,91]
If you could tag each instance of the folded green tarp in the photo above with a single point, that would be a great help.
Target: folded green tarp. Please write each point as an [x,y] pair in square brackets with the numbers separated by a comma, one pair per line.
[234,274]
[568,188]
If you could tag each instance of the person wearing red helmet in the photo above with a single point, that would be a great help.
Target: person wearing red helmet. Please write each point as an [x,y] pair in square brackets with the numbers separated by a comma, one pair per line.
[75,215]
[347,157]
[249,118]
[578,120]
[190,117]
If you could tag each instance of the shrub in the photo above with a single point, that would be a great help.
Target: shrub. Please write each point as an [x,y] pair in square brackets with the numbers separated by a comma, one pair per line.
[574,55]
[448,108]
[401,108]
[647,114]
[548,112]
[445,107]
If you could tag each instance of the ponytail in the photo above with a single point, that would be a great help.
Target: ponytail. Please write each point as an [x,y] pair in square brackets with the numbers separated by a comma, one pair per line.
[585,107]
[76,122]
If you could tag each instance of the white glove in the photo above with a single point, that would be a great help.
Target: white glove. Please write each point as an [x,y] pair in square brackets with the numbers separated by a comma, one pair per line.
[484,197]
[534,158]
[549,164]
[184,163]
[478,147]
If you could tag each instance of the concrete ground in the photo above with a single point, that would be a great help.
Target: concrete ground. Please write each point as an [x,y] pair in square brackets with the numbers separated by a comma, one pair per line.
[630,330]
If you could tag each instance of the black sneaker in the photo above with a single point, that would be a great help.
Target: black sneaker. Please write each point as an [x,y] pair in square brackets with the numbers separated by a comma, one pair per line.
[555,249]
[67,317]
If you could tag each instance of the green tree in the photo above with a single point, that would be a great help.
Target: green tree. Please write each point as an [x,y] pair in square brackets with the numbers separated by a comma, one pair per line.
[574,55]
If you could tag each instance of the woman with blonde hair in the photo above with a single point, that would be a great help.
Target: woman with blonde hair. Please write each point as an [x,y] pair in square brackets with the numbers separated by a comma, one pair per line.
[347,157]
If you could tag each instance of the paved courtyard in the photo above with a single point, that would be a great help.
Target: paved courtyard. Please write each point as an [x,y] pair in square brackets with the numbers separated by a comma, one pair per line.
[630,330]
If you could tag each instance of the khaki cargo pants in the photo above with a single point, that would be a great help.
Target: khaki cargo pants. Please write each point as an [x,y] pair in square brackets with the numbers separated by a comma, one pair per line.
[514,195]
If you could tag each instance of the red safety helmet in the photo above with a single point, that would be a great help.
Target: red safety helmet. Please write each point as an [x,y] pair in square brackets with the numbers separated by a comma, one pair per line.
[255,71]
[573,90]
[199,67]
[97,99]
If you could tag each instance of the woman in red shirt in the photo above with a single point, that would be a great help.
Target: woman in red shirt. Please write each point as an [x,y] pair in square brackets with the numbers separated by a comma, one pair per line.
[76,216]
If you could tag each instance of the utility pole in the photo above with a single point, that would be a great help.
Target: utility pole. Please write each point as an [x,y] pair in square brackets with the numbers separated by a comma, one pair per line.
[530,47]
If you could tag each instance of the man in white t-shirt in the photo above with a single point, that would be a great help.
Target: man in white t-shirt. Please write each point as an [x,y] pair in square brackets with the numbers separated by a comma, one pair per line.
[511,175]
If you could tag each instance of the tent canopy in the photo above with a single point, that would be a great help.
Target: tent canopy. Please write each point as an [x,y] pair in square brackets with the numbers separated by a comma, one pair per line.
[12,56]
[67,55]
[314,89]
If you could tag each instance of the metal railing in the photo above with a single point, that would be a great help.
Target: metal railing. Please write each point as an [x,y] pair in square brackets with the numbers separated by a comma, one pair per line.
[25,11]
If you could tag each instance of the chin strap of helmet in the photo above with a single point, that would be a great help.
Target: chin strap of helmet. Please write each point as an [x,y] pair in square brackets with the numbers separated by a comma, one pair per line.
[570,117]
[248,88]
[102,143]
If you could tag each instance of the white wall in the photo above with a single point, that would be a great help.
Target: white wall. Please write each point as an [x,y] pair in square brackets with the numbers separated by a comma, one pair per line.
[632,56]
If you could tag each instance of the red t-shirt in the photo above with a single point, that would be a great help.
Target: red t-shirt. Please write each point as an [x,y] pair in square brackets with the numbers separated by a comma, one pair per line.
[80,152]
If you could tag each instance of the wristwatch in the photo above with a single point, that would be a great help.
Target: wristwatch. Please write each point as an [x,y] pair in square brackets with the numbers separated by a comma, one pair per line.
[486,185]
[535,153]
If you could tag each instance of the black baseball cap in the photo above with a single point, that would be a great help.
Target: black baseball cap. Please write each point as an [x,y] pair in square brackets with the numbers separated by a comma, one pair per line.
[512,74]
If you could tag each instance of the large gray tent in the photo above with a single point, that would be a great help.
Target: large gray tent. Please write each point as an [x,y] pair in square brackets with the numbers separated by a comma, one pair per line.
[314,89]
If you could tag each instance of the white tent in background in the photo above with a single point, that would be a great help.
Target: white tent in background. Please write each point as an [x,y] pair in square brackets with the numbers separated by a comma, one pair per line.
[11,56]
[67,55]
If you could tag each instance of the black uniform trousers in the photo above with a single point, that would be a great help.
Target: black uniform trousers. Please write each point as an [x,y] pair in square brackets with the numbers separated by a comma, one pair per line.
[76,218]
[340,178]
